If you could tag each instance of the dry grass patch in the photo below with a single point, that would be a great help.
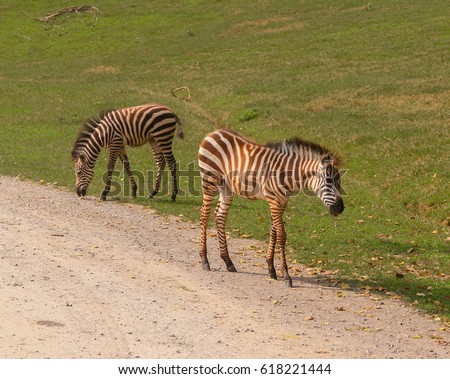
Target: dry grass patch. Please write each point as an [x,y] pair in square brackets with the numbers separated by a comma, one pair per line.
[103,68]
[410,104]
[265,26]
[390,104]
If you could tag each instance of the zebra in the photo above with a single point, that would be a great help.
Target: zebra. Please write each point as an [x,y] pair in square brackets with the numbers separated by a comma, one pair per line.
[133,126]
[233,164]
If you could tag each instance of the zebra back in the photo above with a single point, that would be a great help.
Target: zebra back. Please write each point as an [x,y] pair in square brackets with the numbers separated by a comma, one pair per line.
[135,125]
[254,170]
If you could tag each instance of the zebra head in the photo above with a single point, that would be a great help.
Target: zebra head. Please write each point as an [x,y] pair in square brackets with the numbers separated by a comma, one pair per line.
[328,184]
[84,172]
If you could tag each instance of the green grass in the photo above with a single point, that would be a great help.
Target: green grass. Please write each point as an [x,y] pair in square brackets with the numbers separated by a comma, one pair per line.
[370,80]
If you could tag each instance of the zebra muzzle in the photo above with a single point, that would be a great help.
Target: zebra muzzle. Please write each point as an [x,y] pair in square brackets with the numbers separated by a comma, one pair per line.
[337,207]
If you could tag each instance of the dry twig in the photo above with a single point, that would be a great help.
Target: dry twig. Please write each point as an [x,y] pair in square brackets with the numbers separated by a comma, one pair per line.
[174,91]
[70,9]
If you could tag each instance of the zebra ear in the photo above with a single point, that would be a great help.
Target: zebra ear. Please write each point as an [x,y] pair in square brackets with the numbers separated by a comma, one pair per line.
[326,158]
[337,161]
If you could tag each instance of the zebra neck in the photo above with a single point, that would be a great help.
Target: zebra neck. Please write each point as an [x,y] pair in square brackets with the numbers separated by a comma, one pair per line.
[92,151]
[305,171]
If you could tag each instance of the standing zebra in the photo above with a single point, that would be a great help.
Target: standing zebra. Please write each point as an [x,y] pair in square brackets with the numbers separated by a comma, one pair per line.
[132,126]
[235,165]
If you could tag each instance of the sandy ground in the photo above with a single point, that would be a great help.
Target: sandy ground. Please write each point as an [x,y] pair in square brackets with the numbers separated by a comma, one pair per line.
[90,279]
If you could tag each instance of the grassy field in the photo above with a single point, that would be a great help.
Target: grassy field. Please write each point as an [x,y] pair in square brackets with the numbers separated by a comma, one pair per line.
[370,80]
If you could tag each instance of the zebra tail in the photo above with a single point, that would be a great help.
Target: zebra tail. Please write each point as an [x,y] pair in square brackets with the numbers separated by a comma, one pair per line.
[180,133]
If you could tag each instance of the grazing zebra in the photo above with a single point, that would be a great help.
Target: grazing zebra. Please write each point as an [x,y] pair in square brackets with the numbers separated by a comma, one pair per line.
[132,126]
[235,165]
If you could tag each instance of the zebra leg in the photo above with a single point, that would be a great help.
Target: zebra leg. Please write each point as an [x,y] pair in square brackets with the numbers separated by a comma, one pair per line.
[208,197]
[160,165]
[217,209]
[126,163]
[170,159]
[277,217]
[221,213]
[271,250]
[111,163]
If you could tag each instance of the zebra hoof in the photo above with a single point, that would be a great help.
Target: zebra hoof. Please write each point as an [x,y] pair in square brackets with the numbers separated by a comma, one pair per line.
[206,267]
[288,282]
[231,268]
[102,198]
[273,275]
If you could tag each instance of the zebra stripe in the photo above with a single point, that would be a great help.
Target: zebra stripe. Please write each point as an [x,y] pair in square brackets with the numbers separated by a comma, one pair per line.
[152,123]
[233,164]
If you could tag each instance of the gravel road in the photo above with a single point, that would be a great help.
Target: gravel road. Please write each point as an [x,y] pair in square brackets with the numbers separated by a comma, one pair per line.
[90,279]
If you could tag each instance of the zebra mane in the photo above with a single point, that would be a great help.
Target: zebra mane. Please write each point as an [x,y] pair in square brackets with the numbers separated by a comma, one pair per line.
[298,146]
[85,134]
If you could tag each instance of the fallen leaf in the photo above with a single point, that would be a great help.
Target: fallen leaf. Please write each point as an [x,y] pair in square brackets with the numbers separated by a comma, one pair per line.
[391,294]
[417,337]
[309,318]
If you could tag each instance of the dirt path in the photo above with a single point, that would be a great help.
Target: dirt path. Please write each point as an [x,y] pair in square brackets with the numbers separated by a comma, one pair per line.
[83,278]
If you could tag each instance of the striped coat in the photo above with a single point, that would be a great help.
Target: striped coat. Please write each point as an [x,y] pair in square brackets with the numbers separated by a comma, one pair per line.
[232,164]
[152,123]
